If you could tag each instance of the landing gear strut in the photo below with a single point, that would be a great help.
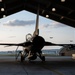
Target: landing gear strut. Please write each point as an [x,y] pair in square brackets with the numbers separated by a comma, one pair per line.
[42,58]
[22,58]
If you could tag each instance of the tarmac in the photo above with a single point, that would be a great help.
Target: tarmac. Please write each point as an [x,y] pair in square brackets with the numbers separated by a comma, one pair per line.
[61,65]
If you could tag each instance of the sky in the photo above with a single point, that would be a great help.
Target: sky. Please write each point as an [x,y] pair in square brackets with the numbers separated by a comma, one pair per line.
[15,27]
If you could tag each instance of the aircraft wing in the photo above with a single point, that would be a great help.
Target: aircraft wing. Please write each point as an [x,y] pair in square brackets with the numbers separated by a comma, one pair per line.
[19,44]
[9,44]
[50,44]
[53,44]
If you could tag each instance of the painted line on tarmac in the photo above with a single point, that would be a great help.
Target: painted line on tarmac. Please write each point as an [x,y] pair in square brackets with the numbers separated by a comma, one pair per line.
[51,69]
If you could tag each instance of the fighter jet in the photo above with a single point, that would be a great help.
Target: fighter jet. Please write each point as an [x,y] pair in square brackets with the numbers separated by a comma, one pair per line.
[33,45]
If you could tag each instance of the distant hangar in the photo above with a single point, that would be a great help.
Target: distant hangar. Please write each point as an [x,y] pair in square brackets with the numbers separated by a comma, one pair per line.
[59,10]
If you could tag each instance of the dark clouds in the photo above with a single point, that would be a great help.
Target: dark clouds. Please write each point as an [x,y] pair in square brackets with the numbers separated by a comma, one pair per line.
[19,23]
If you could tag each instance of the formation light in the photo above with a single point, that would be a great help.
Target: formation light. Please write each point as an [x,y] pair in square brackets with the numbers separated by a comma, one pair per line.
[2,9]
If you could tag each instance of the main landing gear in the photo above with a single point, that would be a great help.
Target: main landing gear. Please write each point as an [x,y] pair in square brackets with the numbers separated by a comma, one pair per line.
[41,57]
[22,58]
[30,56]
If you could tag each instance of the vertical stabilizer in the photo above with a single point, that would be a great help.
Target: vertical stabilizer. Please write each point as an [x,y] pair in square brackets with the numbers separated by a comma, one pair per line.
[36,32]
